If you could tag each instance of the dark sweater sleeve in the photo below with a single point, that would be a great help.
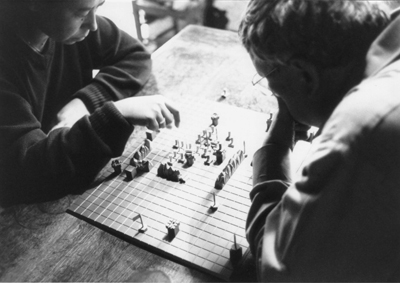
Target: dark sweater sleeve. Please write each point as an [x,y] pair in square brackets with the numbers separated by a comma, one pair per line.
[36,166]
[124,65]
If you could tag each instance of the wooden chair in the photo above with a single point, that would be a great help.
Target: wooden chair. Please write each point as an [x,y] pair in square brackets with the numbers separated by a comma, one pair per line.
[186,11]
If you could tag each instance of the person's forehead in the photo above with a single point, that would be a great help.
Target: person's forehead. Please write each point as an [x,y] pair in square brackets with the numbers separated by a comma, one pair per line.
[78,4]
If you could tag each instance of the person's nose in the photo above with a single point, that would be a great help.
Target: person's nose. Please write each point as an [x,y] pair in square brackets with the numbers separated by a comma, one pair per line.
[91,21]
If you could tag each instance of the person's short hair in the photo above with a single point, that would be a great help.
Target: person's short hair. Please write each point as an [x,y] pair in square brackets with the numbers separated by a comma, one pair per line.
[326,32]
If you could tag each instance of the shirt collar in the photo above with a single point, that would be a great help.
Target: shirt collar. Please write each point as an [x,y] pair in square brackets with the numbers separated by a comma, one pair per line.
[386,48]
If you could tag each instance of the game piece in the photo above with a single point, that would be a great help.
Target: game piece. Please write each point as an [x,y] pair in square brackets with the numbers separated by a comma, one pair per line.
[172,228]
[176,145]
[144,226]
[198,141]
[130,172]
[137,155]
[228,138]
[214,206]
[269,121]
[207,162]
[220,182]
[147,144]
[182,158]
[204,155]
[133,162]
[231,143]
[190,195]
[229,169]
[189,158]
[235,252]
[144,166]
[150,135]
[214,119]
[225,93]
[116,165]
[220,155]
[167,172]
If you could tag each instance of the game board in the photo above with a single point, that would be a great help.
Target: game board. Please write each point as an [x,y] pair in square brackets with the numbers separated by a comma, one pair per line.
[202,221]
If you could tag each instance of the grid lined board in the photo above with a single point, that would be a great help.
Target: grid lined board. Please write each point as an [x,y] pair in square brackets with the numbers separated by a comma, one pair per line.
[205,236]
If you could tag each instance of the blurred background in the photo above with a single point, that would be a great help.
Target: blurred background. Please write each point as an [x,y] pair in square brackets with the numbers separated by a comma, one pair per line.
[155,21]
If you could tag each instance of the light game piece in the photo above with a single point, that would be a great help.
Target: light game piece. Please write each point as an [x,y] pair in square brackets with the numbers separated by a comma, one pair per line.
[176,145]
[207,162]
[214,206]
[144,226]
[150,135]
[231,143]
[225,93]
[198,141]
[204,155]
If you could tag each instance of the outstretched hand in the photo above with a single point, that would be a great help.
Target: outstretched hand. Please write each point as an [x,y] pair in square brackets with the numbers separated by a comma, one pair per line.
[154,111]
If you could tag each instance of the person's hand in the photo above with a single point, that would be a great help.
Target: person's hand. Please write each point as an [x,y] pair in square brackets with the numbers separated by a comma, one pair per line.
[285,130]
[70,113]
[154,111]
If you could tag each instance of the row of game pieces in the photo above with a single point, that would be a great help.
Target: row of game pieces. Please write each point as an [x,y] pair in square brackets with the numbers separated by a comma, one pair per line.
[229,169]
[137,163]
[235,252]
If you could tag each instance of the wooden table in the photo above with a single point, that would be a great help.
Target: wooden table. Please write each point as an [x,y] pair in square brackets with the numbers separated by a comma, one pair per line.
[43,243]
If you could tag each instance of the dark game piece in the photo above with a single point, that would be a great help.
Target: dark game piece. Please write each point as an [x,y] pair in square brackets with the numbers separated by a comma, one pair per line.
[130,172]
[235,252]
[220,182]
[189,158]
[116,165]
[173,228]
[144,166]
[214,119]
[220,156]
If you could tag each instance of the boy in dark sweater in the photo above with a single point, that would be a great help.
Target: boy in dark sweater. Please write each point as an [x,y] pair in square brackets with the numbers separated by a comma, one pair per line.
[58,125]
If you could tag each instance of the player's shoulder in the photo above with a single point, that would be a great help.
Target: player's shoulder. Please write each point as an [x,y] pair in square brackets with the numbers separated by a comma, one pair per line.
[363,110]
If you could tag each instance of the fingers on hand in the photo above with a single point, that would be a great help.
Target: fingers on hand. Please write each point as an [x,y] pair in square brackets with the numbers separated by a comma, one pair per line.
[174,114]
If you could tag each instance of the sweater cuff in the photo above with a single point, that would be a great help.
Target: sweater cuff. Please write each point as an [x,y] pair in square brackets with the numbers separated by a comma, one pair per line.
[271,162]
[93,96]
[111,127]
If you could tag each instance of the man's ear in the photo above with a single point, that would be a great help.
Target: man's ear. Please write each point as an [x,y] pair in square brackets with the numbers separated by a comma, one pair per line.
[309,76]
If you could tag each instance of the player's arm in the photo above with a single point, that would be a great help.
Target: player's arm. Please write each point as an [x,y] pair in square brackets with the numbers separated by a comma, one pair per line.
[319,227]
[271,172]
[124,67]
[123,62]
